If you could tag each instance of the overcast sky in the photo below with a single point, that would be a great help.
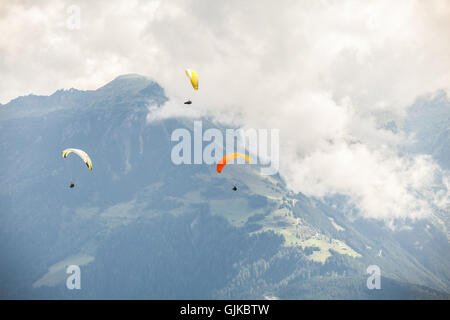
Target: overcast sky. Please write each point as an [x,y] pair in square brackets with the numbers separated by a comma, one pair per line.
[326,73]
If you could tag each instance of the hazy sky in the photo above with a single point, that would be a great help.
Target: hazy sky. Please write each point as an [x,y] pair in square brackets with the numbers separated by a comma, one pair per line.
[326,73]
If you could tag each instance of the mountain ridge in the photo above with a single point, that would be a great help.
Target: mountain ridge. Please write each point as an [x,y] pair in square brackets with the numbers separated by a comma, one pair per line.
[255,242]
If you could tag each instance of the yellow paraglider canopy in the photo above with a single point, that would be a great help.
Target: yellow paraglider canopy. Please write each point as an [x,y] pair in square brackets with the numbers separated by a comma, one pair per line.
[193,76]
[82,154]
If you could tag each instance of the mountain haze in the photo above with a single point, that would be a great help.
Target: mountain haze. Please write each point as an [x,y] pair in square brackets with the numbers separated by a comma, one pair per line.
[141,227]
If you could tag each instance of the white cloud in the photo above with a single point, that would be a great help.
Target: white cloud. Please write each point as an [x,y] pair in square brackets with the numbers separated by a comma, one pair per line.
[323,72]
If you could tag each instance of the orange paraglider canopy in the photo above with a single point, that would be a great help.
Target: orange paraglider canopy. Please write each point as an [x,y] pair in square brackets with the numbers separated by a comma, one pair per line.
[223,162]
